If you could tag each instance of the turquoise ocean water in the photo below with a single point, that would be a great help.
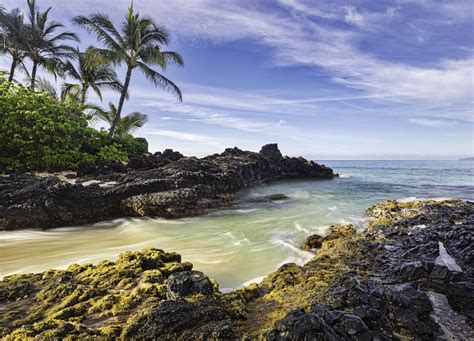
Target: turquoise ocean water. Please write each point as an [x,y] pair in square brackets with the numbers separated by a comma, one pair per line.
[245,242]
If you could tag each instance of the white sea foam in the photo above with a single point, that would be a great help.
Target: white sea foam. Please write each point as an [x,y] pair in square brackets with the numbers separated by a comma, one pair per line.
[301,255]
[344,176]
[246,210]
[255,280]
[411,199]
[301,228]
[299,195]
[359,222]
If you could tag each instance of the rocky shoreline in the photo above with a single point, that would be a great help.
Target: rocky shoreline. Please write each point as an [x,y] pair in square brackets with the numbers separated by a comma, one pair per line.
[163,184]
[408,276]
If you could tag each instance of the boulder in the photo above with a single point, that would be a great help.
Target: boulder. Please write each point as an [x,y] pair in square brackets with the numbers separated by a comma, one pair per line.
[314,241]
[188,283]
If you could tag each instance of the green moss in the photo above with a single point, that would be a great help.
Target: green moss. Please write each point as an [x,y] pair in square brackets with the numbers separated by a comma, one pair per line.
[110,331]
[103,304]
[152,276]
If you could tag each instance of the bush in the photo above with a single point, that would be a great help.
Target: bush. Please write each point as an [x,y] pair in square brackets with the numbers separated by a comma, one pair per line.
[135,147]
[37,132]
[112,152]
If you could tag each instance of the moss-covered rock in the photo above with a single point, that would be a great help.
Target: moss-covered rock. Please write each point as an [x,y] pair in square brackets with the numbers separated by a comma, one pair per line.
[376,284]
[94,299]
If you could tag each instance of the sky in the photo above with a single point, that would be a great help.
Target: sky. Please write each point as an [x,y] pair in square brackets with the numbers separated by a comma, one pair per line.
[360,79]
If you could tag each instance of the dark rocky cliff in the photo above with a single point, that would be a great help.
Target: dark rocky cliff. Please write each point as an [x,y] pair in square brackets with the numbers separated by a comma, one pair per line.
[165,184]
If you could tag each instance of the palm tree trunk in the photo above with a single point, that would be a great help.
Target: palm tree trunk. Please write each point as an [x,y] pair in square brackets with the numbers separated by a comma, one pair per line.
[83,94]
[122,100]
[33,75]
[12,70]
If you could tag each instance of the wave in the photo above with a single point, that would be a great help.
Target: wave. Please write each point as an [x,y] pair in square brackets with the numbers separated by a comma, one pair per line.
[298,227]
[411,199]
[345,176]
[255,280]
[246,210]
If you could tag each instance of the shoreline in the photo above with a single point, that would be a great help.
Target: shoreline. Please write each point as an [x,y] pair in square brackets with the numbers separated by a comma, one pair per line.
[403,263]
[165,185]
[361,223]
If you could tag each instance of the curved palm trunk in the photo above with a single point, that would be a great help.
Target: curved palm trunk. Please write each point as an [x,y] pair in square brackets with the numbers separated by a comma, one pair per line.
[83,94]
[12,70]
[122,100]
[33,75]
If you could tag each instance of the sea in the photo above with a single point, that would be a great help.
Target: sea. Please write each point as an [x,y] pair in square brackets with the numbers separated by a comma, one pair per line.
[241,244]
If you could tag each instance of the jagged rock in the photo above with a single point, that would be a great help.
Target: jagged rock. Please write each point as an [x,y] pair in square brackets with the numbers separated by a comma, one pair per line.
[155,160]
[163,184]
[373,285]
[338,231]
[170,319]
[314,241]
[100,167]
[268,198]
[271,151]
[187,283]
[321,323]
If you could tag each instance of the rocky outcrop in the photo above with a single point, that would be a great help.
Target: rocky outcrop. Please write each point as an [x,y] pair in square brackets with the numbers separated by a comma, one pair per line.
[166,184]
[409,276]
[315,241]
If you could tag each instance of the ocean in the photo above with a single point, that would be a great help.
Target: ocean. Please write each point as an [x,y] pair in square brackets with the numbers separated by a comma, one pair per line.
[242,244]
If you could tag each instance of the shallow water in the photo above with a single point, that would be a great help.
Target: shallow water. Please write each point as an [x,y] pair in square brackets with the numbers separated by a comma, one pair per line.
[252,239]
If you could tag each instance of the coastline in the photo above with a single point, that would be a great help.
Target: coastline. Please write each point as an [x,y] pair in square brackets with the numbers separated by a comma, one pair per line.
[164,184]
[393,267]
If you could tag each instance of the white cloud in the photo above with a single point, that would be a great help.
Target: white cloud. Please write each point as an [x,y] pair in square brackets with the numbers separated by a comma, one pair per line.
[305,42]
[299,40]
[431,122]
[189,137]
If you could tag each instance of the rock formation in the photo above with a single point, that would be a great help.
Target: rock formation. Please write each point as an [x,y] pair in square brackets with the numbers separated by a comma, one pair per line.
[408,276]
[166,185]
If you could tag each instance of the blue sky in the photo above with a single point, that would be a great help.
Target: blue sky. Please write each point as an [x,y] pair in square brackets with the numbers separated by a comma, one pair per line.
[328,80]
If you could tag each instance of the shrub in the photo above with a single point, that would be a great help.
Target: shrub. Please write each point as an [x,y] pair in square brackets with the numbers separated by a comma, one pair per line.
[135,147]
[112,152]
[37,132]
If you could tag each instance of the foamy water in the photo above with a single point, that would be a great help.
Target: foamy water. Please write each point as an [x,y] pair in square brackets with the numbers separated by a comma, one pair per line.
[242,244]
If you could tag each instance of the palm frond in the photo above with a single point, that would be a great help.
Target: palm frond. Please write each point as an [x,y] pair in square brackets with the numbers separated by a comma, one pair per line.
[93,25]
[160,80]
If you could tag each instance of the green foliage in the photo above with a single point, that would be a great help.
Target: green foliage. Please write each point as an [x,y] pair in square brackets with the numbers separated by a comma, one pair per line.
[113,152]
[134,147]
[39,132]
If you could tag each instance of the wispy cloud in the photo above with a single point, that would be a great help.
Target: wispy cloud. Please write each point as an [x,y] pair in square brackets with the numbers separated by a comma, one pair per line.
[431,122]
[188,137]
[304,41]
[307,42]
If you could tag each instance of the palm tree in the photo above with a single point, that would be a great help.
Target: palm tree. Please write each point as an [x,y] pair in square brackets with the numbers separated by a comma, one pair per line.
[13,35]
[124,125]
[137,45]
[45,47]
[89,75]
